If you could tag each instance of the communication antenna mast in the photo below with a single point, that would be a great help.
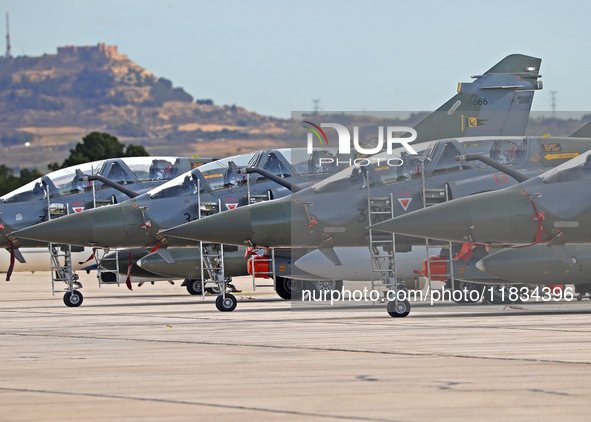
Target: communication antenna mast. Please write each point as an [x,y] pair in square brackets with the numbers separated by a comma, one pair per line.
[553,99]
[316,108]
[8,49]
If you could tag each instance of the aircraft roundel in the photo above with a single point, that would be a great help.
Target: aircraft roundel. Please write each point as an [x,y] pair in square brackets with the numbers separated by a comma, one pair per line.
[405,202]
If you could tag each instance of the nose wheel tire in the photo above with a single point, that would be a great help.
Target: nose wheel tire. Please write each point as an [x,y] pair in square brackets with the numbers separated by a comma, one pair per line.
[73,299]
[398,309]
[226,304]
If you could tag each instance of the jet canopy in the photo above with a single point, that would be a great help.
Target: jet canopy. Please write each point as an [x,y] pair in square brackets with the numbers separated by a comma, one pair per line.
[125,171]
[436,156]
[225,174]
[508,151]
[218,175]
[579,168]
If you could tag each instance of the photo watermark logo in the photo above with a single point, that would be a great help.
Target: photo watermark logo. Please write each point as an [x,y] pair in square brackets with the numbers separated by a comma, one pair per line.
[344,144]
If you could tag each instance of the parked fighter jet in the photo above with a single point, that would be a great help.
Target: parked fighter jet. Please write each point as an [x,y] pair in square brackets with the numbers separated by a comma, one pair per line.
[507,86]
[62,192]
[211,188]
[545,216]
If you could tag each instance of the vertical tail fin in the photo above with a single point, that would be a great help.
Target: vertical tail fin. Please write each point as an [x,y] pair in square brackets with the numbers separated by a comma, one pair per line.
[583,132]
[496,103]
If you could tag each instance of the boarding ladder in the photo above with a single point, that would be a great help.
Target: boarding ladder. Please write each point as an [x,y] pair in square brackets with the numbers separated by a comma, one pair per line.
[254,199]
[105,276]
[434,196]
[211,254]
[382,246]
[61,255]
[264,275]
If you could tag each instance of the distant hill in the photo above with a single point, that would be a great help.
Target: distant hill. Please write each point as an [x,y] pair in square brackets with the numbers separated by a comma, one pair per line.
[58,98]
[50,102]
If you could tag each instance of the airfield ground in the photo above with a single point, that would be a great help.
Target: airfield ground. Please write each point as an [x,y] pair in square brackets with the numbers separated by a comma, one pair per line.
[159,354]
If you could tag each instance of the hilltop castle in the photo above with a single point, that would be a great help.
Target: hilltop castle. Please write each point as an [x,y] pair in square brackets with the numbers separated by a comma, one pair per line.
[108,51]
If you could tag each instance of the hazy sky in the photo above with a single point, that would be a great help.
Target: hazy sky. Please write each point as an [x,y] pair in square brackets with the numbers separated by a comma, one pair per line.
[273,57]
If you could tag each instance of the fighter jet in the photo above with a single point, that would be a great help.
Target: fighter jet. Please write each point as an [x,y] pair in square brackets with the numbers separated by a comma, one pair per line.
[545,217]
[64,192]
[480,107]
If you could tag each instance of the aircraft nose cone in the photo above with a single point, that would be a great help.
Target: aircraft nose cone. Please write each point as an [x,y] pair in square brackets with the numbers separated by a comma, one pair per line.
[511,264]
[314,263]
[263,224]
[153,263]
[484,218]
[447,221]
[481,266]
[103,227]
[230,227]
[68,230]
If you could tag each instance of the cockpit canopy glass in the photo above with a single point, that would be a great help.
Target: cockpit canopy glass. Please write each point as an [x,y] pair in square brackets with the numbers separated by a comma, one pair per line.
[65,180]
[321,160]
[32,191]
[505,151]
[218,175]
[223,174]
[391,168]
[579,168]
[154,168]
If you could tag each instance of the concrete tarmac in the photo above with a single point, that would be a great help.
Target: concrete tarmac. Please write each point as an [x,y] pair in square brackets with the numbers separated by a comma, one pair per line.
[158,353]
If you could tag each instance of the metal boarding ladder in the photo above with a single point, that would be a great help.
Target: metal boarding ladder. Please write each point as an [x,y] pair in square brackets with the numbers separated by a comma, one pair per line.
[100,270]
[61,255]
[212,266]
[61,268]
[212,254]
[265,274]
[382,247]
[432,197]
[254,199]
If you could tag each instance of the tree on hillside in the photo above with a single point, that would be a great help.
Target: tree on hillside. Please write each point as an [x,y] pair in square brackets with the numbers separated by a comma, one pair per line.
[99,146]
